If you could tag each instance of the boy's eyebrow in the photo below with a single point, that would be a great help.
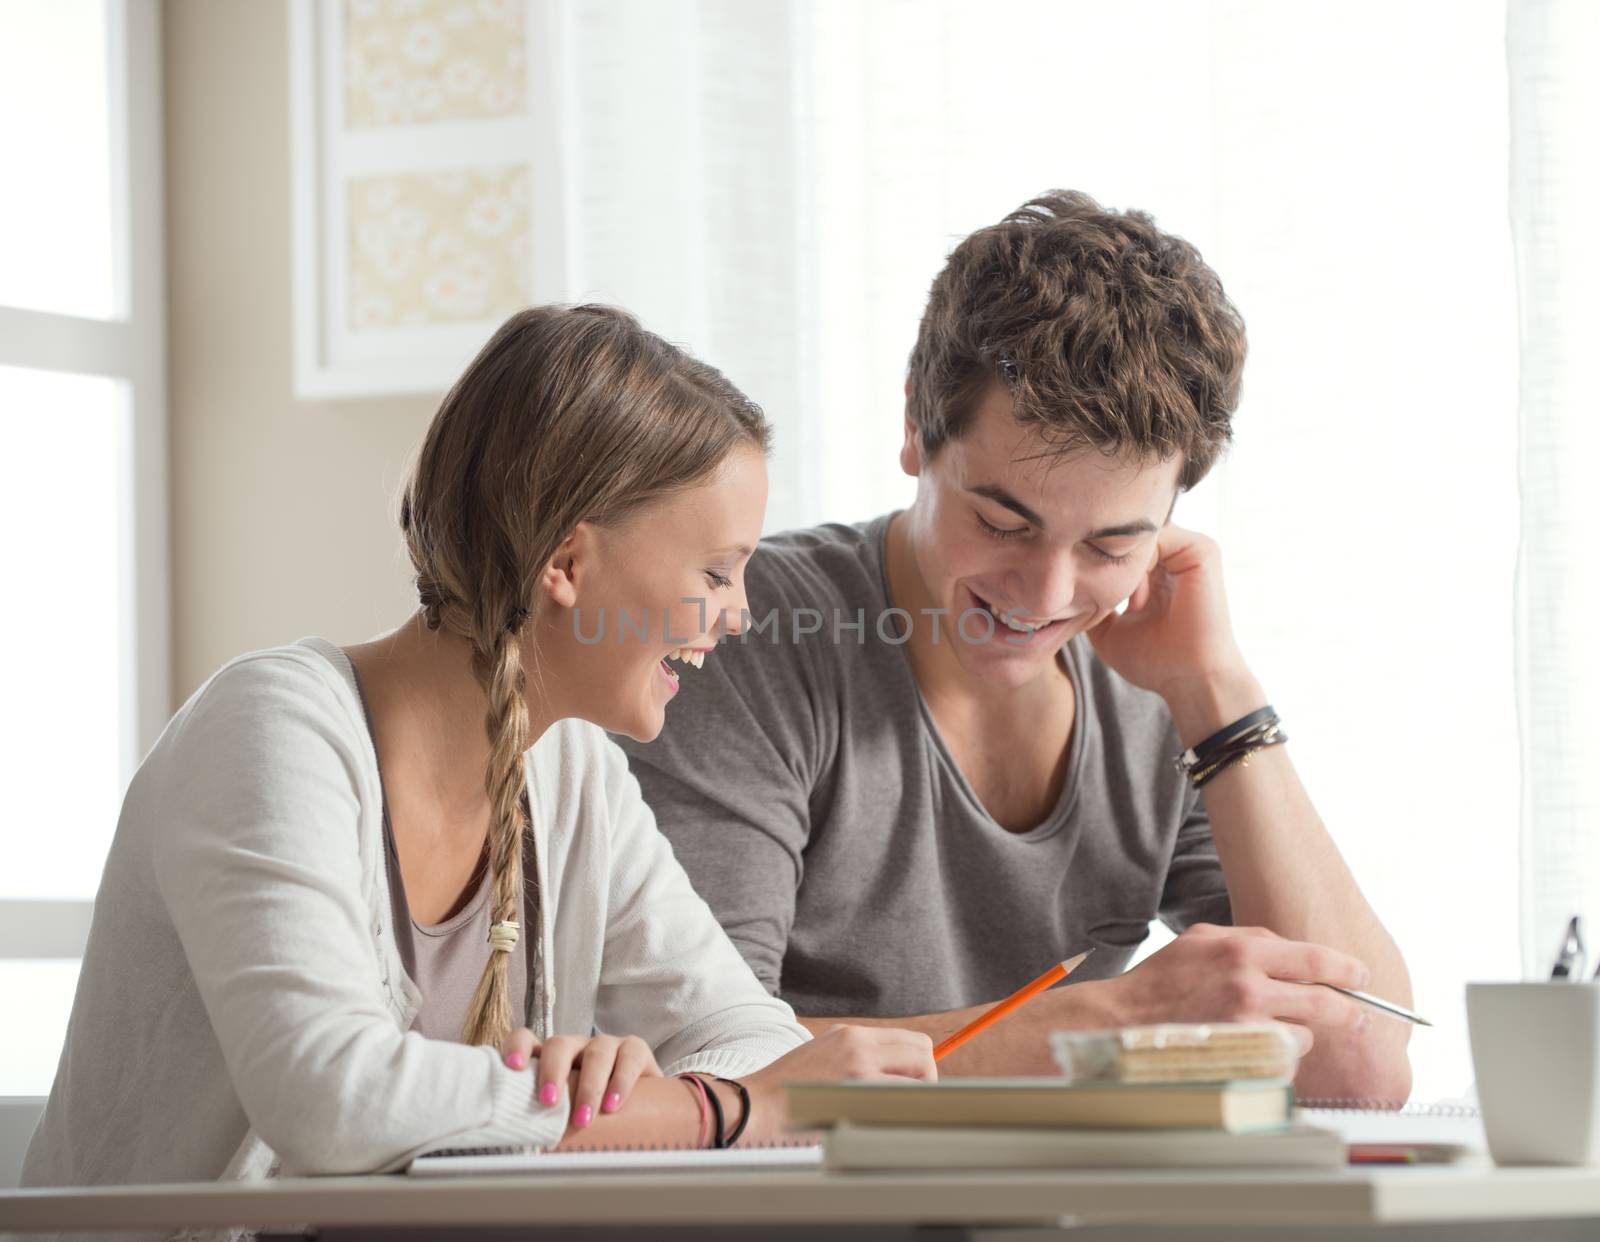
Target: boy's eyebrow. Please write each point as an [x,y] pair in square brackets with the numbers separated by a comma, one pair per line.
[998,494]
[734,549]
[1142,527]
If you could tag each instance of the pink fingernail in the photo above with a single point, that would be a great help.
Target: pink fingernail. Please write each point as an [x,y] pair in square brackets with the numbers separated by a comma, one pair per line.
[612,1102]
[583,1116]
[516,1060]
[549,1094]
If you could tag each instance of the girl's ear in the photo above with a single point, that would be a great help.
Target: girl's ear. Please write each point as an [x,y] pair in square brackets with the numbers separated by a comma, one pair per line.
[560,577]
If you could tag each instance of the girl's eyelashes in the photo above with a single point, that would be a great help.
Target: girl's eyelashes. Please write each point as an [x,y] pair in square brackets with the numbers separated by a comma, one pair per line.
[999,532]
[719,580]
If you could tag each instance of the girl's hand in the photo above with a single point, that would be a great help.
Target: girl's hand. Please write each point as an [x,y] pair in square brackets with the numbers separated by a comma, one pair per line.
[607,1068]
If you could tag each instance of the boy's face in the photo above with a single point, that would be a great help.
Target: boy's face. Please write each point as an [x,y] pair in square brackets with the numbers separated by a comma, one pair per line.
[1048,543]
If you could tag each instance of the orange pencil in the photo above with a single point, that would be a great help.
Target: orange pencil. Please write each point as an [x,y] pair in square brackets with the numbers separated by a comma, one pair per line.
[989,1017]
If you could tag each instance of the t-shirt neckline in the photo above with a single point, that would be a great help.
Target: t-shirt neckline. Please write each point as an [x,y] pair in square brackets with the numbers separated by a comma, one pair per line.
[1066,801]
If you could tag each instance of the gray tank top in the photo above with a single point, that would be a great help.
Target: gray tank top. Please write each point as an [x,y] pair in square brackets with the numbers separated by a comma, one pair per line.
[446,960]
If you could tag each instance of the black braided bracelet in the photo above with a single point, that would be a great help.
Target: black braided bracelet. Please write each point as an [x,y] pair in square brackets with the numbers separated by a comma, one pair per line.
[744,1109]
[717,1141]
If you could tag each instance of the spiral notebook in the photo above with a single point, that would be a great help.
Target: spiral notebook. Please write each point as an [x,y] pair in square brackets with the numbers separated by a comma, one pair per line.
[477,1161]
[1453,1127]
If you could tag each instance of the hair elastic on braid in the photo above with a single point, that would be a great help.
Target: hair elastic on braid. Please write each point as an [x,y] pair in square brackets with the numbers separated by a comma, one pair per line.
[503,936]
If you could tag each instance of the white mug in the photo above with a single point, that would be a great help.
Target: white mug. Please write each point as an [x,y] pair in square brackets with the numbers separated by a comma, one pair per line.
[1536,1053]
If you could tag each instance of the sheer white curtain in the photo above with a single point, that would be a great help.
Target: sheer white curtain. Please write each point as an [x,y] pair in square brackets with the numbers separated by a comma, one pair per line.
[685,199]
[777,184]
[1553,47]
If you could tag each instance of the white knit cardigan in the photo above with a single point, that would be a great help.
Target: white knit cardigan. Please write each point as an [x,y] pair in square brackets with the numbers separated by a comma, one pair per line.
[242,1005]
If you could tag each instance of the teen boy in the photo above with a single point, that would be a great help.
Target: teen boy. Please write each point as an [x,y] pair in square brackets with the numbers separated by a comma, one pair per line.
[946,761]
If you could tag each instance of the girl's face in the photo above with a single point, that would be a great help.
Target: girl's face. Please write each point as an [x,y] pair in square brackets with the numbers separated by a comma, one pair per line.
[646,602]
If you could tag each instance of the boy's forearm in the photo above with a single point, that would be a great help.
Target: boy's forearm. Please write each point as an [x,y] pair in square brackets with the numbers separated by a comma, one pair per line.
[1285,873]
[1016,1046]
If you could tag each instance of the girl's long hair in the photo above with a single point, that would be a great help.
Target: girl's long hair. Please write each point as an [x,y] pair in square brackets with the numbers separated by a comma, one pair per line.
[567,414]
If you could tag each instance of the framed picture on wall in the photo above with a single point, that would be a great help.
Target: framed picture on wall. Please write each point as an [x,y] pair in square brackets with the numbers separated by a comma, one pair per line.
[427,184]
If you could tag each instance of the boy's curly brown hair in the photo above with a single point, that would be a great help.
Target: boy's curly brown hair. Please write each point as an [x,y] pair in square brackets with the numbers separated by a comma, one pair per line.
[1109,333]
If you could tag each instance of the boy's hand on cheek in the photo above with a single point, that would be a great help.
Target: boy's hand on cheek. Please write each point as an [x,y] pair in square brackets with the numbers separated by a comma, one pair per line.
[1175,637]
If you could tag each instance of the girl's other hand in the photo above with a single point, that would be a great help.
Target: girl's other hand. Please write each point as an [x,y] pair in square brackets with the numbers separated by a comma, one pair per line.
[607,1067]
[839,1052]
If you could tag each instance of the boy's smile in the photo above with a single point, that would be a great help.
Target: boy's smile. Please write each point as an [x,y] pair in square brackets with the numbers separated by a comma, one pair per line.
[1024,545]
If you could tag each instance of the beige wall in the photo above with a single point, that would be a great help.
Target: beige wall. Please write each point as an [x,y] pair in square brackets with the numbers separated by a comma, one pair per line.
[282,510]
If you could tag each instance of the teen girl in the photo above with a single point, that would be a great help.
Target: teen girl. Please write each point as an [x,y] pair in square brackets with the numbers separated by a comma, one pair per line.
[368,901]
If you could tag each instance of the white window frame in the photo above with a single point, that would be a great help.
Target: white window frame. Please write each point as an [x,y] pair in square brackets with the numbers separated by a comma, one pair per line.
[130,347]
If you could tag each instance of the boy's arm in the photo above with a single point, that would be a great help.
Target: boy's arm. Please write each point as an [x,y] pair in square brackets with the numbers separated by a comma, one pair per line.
[1297,912]
[1208,974]
[1284,873]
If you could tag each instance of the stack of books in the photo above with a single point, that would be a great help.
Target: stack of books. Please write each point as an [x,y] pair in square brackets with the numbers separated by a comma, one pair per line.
[1177,1052]
[1145,1097]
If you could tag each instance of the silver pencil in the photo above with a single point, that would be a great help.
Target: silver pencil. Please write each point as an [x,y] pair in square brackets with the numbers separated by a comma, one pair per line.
[1388,1007]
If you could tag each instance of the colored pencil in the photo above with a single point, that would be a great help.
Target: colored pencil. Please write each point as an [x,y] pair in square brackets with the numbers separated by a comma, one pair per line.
[993,1014]
[1374,1153]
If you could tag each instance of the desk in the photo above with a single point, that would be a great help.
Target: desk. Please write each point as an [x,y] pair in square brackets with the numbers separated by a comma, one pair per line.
[794,1202]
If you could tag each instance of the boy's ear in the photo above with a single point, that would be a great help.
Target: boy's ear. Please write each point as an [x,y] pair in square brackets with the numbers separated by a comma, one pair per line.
[560,577]
[911,449]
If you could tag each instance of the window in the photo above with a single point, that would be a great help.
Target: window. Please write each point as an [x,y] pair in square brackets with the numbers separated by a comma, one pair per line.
[83,612]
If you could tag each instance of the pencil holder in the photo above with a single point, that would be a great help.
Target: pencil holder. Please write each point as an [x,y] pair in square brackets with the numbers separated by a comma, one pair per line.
[1536,1053]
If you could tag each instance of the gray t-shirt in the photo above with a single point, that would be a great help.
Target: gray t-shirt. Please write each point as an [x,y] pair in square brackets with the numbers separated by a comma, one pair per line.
[807,791]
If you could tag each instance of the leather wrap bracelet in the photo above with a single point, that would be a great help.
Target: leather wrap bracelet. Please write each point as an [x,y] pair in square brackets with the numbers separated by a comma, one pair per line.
[1231,744]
